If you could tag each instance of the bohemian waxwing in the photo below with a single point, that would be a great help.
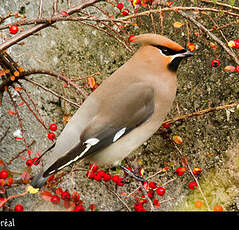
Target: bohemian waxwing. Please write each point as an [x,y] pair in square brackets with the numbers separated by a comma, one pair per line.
[124,111]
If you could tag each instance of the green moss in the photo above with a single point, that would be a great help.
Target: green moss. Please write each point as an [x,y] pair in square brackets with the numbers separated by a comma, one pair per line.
[219,186]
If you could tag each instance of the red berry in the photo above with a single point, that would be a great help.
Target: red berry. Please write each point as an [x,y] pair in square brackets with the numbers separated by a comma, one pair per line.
[64,13]
[138,206]
[65,196]
[18,208]
[131,38]
[215,63]
[156,202]
[140,209]
[55,199]
[237,69]
[3,174]
[13,29]
[101,173]
[120,182]
[160,191]
[79,208]
[9,181]
[51,178]
[236,42]
[36,161]
[125,12]
[150,193]
[218,208]
[197,170]
[29,163]
[120,6]
[92,207]
[152,185]
[167,125]
[97,177]
[115,178]
[51,136]
[192,185]
[94,167]
[59,191]
[107,177]
[90,174]
[180,171]
[53,127]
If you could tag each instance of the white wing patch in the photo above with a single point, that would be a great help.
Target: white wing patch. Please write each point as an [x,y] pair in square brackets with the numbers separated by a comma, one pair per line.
[119,134]
[92,141]
[89,143]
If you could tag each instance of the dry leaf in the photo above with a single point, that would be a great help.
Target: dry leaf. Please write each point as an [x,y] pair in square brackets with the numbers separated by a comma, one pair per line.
[2,182]
[91,82]
[46,195]
[231,44]
[11,112]
[177,25]
[178,140]
[229,68]
[191,47]
[25,177]
[18,88]
[21,103]
[32,190]
[66,118]
[2,72]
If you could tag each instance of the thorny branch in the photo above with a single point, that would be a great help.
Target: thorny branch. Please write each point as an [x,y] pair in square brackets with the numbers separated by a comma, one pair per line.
[24,34]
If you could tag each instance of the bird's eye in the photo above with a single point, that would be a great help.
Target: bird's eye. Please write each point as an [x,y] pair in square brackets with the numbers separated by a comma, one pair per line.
[166,51]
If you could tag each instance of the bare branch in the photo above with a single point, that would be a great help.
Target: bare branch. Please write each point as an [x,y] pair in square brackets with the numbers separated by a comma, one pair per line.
[29,32]
[53,92]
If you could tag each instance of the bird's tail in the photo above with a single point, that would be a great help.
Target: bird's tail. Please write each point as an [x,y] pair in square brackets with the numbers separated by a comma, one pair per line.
[38,181]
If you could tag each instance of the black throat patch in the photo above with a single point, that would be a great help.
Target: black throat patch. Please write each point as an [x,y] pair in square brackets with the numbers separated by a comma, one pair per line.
[173,65]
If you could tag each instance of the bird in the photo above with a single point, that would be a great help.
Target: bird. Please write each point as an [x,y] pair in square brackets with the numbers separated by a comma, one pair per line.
[124,111]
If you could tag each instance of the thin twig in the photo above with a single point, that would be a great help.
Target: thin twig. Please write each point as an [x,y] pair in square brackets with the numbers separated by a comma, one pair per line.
[221,4]
[201,112]
[52,73]
[196,180]
[18,154]
[115,194]
[13,196]
[31,100]
[28,32]
[5,134]
[53,92]
[31,110]
[147,197]
[210,34]
[40,9]
[18,117]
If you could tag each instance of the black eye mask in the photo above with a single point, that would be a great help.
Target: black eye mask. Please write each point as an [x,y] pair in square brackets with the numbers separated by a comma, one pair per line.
[169,52]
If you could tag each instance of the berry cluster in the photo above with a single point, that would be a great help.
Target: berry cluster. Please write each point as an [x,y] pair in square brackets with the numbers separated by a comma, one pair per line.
[152,190]
[100,175]
[124,11]
[5,178]
[196,171]
[51,135]
[70,202]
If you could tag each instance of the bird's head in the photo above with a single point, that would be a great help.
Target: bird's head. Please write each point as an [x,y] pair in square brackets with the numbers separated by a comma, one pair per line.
[171,52]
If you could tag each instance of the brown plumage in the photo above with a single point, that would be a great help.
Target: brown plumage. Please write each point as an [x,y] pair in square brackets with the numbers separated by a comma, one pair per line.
[124,111]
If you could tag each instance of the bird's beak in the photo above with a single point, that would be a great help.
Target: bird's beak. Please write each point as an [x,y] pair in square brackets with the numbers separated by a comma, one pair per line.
[187,54]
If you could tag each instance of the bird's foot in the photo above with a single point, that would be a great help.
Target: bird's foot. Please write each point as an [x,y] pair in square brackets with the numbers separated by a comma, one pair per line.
[132,173]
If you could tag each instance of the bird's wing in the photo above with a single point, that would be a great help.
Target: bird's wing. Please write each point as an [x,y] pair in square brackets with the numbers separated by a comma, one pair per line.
[123,113]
